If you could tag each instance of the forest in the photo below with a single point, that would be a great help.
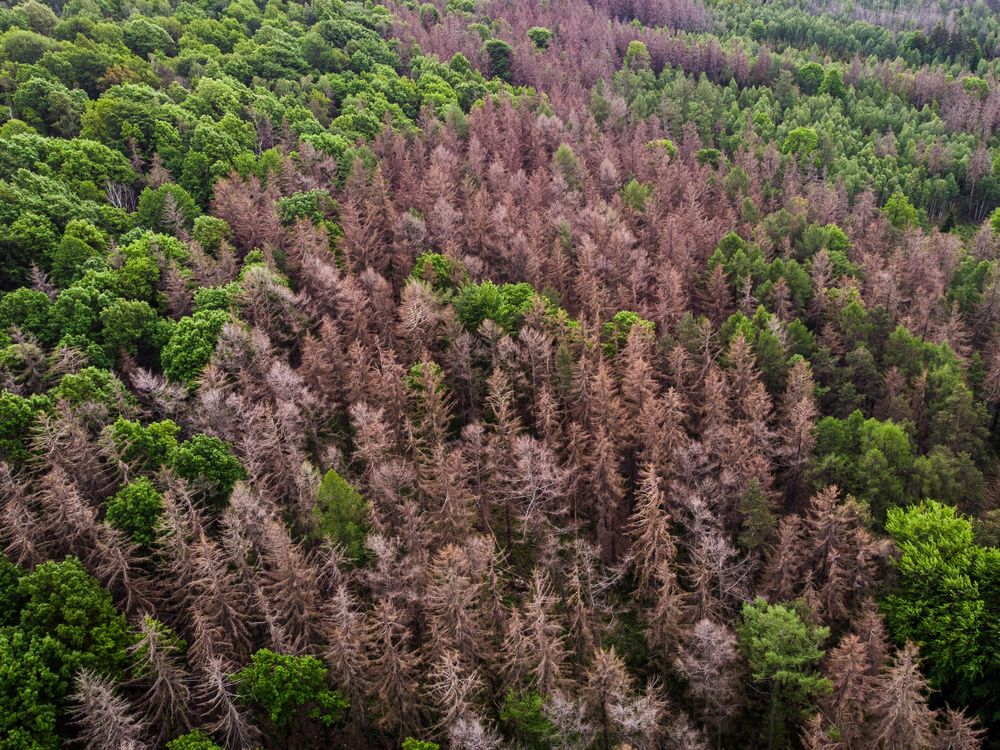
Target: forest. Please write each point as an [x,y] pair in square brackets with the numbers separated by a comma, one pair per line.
[499,374]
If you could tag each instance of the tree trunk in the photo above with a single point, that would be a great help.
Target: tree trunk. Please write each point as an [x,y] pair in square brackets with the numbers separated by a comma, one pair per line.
[770,721]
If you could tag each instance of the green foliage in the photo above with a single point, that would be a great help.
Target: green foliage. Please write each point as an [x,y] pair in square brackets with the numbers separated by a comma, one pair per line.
[800,142]
[636,56]
[945,599]
[869,459]
[168,208]
[146,447]
[210,468]
[216,297]
[49,107]
[66,622]
[900,212]
[498,54]
[810,77]
[80,242]
[312,205]
[191,345]
[17,415]
[635,195]
[506,304]
[708,156]
[195,740]
[343,514]
[665,145]
[286,687]
[136,510]
[523,714]
[617,330]
[833,83]
[757,521]
[210,232]
[782,653]
[567,165]
[414,744]
[10,601]
[540,36]
[444,274]
[92,385]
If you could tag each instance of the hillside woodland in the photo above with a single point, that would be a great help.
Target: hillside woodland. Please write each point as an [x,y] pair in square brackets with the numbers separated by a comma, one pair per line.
[480,374]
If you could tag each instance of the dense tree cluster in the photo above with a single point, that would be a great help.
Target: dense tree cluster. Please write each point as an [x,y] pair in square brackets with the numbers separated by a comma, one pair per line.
[474,375]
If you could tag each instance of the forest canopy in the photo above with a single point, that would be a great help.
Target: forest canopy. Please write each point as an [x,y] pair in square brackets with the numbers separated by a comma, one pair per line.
[473,375]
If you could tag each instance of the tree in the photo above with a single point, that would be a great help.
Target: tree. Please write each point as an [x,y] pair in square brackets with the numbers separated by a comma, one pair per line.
[196,740]
[414,744]
[782,652]
[524,715]
[209,466]
[66,623]
[945,600]
[498,53]
[710,661]
[168,208]
[144,447]
[900,212]
[49,106]
[902,719]
[289,690]
[191,345]
[344,515]
[833,83]
[506,304]
[82,241]
[136,510]
[810,77]
[801,142]
[540,36]
[103,718]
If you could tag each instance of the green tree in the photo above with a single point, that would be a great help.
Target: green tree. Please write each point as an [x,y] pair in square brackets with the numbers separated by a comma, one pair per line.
[810,77]
[209,467]
[523,713]
[444,274]
[801,142]
[636,56]
[144,37]
[867,458]
[210,232]
[66,623]
[833,83]
[31,238]
[136,510]
[635,194]
[287,690]
[946,599]
[145,447]
[567,165]
[80,242]
[411,743]
[49,106]
[782,652]
[191,345]
[131,326]
[540,36]
[506,305]
[617,330]
[195,740]
[900,212]
[167,208]
[343,514]
[498,54]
